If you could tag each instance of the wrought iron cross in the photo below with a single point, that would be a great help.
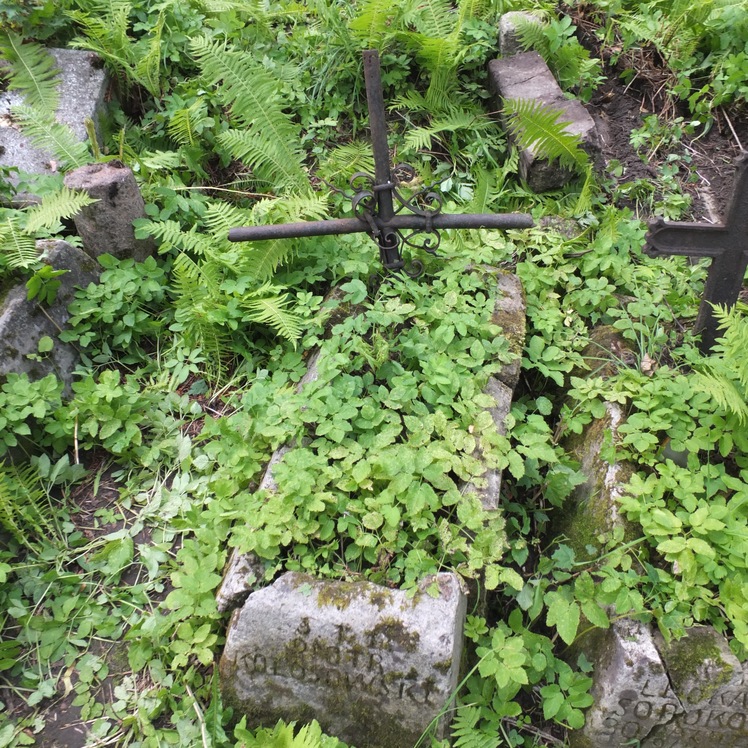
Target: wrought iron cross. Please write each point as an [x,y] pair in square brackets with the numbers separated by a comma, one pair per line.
[377,201]
[727,243]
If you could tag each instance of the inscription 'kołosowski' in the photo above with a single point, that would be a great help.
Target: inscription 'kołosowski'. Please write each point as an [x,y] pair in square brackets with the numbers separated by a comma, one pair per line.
[374,666]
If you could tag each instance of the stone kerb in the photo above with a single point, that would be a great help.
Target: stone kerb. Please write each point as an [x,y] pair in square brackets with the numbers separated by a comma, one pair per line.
[23,323]
[243,570]
[82,85]
[374,666]
[526,76]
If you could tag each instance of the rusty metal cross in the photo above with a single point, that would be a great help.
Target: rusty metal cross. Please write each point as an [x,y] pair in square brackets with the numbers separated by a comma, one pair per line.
[377,201]
[726,243]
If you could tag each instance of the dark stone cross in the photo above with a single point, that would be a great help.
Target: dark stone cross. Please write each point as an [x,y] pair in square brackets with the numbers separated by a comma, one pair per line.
[726,243]
[377,201]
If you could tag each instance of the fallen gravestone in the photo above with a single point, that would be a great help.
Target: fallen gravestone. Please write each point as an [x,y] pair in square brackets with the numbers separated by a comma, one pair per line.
[526,76]
[652,694]
[24,323]
[82,85]
[374,666]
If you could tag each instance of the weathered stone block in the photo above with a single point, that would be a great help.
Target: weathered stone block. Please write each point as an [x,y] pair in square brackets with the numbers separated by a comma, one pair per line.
[632,692]
[683,694]
[712,687]
[23,323]
[592,509]
[372,665]
[510,25]
[82,85]
[106,226]
[490,492]
[526,76]
[510,313]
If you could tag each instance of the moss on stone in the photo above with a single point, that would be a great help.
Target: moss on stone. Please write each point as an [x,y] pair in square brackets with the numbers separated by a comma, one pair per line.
[696,665]
[390,632]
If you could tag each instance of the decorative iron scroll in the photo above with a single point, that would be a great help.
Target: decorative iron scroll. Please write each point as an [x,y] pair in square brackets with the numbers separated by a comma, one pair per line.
[381,209]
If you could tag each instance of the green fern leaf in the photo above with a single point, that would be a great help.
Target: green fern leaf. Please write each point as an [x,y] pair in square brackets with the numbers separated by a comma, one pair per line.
[251,93]
[48,134]
[374,24]
[24,509]
[435,18]
[31,70]
[272,310]
[457,119]
[148,66]
[55,208]
[268,158]
[185,124]
[539,128]
[263,258]
[221,216]
[17,247]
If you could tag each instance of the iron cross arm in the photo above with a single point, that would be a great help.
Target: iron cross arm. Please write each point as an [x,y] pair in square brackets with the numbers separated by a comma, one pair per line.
[378,201]
[726,243]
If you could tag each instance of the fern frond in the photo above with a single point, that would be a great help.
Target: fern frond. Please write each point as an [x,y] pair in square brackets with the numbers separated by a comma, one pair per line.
[467,732]
[16,246]
[49,135]
[374,24]
[435,18]
[263,258]
[171,235]
[160,160]
[531,34]
[458,119]
[185,124]
[539,128]
[268,158]
[221,216]
[24,509]
[272,310]
[54,208]
[723,391]
[31,70]
[251,93]
[148,66]
[347,159]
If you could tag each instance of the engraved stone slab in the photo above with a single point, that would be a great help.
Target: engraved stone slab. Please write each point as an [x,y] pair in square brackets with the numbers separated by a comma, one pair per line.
[712,687]
[632,691]
[371,664]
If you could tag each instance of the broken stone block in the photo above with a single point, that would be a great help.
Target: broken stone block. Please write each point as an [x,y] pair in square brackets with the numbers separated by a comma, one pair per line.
[82,85]
[510,25]
[526,76]
[244,570]
[24,323]
[712,687]
[374,666]
[106,226]
[510,314]
[490,492]
[592,510]
[631,688]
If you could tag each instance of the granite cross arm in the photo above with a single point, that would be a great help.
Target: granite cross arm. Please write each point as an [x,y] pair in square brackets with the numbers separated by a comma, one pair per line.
[377,201]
